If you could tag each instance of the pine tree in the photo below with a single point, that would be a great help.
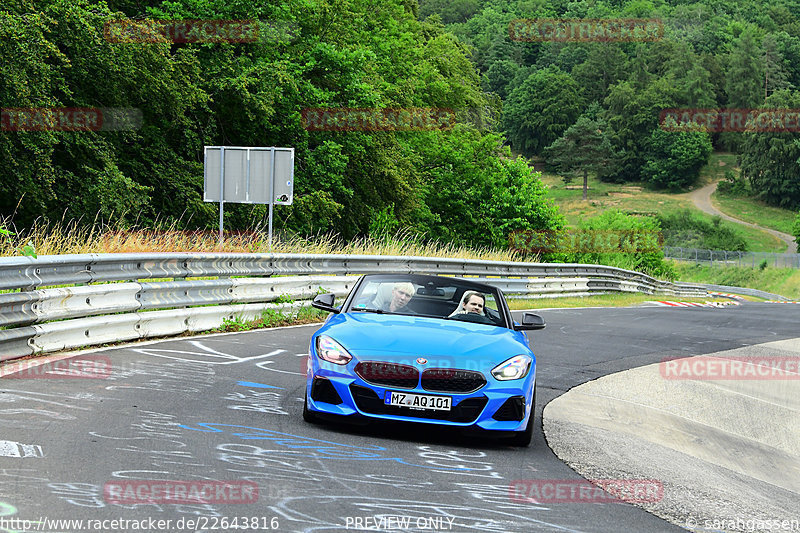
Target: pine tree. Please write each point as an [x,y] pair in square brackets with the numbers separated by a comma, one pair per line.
[584,147]
[745,74]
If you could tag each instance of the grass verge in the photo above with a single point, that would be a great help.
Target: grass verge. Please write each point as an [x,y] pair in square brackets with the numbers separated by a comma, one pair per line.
[272,318]
[755,211]
[783,281]
[58,239]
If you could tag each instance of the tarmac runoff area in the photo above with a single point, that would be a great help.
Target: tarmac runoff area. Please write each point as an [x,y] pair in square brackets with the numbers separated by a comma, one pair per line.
[726,451]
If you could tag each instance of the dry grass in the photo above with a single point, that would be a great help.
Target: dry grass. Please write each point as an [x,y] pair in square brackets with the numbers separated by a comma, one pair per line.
[72,238]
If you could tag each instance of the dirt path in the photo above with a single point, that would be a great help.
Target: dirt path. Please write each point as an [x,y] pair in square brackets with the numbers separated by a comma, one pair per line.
[702,199]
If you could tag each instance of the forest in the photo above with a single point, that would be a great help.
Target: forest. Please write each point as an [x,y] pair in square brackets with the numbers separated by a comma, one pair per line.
[576,106]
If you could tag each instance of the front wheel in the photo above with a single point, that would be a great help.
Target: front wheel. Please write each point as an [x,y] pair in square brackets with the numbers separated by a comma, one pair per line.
[308,415]
[523,438]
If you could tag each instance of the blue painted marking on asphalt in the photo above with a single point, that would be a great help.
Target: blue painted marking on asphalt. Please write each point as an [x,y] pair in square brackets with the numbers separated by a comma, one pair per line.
[316,448]
[257,385]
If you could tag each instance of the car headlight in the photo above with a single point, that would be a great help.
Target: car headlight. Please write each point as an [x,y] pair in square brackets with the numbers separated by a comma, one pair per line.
[515,368]
[331,351]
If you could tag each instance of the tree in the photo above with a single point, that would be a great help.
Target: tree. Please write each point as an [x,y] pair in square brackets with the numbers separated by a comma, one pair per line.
[585,147]
[605,65]
[775,76]
[633,115]
[771,160]
[675,158]
[540,109]
[697,89]
[745,74]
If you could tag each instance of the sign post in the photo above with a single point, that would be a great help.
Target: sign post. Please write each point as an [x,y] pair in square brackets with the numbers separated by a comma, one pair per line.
[248,175]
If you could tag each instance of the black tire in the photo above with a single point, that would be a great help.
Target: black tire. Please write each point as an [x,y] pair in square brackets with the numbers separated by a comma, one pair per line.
[308,416]
[523,438]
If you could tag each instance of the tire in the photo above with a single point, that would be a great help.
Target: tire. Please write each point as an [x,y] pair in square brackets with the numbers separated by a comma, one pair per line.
[308,415]
[523,438]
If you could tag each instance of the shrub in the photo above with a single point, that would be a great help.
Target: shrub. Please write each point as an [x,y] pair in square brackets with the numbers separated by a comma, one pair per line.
[733,185]
[644,256]
[685,228]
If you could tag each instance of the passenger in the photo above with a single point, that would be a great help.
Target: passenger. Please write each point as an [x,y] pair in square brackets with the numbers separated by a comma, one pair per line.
[401,295]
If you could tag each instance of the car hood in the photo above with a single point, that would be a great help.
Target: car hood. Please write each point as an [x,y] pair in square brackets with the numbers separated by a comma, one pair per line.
[402,339]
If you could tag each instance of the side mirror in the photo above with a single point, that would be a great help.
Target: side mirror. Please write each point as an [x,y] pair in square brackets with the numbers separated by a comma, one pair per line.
[530,321]
[325,302]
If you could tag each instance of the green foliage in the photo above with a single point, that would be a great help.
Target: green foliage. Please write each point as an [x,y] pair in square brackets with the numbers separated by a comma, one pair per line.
[7,241]
[687,229]
[632,114]
[384,222]
[252,94]
[270,318]
[771,160]
[796,229]
[646,256]
[540,109]
[584,147]
[674,158]
[733,184]
[745,74]
[476,194]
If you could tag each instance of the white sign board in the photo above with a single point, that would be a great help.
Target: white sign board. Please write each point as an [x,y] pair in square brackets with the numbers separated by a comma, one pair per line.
[251,175]
[248,175]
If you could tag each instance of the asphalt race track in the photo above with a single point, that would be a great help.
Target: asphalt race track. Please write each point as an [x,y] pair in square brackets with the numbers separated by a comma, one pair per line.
[228,408]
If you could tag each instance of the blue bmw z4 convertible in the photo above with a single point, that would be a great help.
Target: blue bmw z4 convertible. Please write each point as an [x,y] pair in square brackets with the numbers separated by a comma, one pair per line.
[428,349]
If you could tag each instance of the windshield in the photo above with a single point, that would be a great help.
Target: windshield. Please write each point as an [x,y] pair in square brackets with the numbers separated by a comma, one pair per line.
[445,298]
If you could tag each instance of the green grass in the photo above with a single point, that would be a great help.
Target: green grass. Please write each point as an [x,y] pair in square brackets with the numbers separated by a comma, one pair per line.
[627,197]
[272,318]
[637,199]
[783,281]
[718,163]
[755,211]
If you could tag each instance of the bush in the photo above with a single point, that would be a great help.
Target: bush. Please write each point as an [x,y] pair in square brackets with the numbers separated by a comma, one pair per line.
[639,235]
[685,228]
[675,158]
[796,229]
[733,185]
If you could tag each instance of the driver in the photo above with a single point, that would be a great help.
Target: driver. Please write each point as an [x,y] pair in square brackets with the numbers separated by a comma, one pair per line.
[471,302]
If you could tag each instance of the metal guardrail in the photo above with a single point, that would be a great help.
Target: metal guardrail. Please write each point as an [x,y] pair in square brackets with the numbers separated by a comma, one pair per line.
[732,258]
[734,290]
[71,301]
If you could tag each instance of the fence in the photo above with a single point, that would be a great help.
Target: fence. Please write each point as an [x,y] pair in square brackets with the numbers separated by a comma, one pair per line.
[732,258]
[57,303]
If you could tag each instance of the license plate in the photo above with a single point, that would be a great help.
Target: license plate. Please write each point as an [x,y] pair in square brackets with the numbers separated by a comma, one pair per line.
[418,401]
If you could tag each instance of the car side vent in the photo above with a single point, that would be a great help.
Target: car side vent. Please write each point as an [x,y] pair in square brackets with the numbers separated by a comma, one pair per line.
[322,390]
[512,409]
